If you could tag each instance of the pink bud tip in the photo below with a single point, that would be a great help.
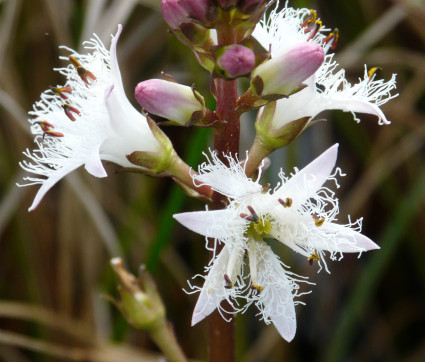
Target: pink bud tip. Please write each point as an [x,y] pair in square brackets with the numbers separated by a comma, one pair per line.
[237,60]
[170,100]
[285,72]
[197,9]
[173,13]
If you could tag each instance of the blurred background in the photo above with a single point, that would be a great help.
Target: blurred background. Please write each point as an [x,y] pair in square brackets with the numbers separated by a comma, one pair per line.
[54,261]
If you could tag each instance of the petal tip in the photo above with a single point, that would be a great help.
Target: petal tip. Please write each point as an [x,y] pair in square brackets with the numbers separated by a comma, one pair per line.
[196,318]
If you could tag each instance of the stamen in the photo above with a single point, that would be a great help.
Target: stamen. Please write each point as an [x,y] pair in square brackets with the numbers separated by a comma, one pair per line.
[371,72]
[68,109]
[85,74]
[317,220]
[254,214]
[313,257]
[45,126]
[61,90]
[52,133]
[286,203]
[229,284]
[82,72]
[253,218]
[258,288]
[310,20]
[332,39]
[314,29]
[74,61]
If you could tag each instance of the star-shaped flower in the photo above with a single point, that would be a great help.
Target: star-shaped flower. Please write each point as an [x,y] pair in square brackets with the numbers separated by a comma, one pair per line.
[327,88]
[88,120]
[300,213]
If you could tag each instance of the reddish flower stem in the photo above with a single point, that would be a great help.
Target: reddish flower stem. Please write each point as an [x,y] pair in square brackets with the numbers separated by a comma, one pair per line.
[226,140]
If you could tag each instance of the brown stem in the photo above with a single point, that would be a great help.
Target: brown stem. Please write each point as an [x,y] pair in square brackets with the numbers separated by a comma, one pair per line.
[226,140]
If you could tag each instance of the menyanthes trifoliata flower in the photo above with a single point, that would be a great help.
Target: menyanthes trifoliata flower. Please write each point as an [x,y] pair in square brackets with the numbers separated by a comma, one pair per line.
[327,88]
[88,120]
[300,213]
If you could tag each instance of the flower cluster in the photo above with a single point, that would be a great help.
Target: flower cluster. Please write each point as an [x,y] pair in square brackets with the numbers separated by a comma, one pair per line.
[293,78]
[300,213]
[327,88]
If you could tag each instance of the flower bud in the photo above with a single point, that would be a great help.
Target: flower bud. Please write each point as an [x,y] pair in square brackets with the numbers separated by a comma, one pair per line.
[236,60]
[170,100]
[201,10]
[283,74]
[141,307]
[173,13]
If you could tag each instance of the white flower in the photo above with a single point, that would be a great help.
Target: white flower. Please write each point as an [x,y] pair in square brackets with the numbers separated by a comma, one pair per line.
[88,120]
[327,88]
[300,212]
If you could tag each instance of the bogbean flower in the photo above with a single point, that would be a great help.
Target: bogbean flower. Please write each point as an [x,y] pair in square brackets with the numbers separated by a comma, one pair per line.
[327,88]
[300,213]
[88,120]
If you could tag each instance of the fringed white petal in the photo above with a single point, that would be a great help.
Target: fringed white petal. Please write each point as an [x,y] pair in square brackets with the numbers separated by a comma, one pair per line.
[276,300]
[282,29]
[218,224]
[214,290]
[305,183]
[47,184]
[93,164]
[344,239]
[229,181]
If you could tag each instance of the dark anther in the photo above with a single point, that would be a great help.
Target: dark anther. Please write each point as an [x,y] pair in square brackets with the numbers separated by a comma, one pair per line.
[229,284]
[285,203]
[68,109]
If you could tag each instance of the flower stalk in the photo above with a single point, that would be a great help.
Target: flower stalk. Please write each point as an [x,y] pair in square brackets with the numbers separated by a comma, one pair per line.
[226,140]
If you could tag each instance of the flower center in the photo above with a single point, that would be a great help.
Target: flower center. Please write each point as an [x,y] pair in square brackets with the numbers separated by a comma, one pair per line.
[258,227]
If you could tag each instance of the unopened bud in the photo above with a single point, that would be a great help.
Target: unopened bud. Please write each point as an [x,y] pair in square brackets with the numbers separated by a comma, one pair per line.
[173,13]
[283,74]
[236,60]
[202,10]
[170,100]
[140,302]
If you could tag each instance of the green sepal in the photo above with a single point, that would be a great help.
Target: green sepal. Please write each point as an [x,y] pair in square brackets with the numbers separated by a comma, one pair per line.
[191,192]
[257,85]
[274,139]
[196,34]
[152,163]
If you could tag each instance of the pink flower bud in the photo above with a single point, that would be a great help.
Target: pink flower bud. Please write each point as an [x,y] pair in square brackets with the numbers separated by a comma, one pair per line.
[282,74]
[200,10]
[170,100]
[237,60]
[173,13]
